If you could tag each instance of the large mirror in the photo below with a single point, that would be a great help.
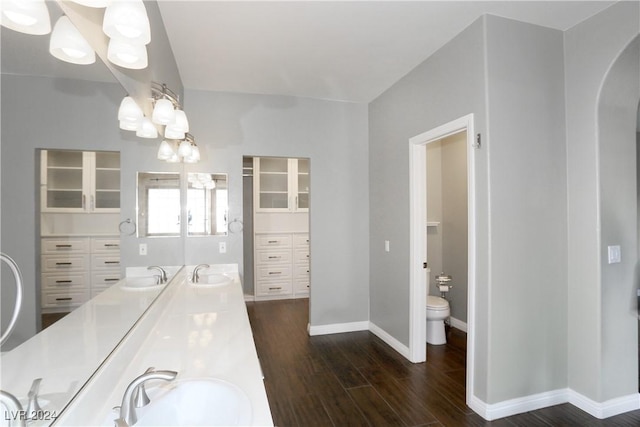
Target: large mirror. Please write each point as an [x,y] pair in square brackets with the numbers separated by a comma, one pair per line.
[207,204]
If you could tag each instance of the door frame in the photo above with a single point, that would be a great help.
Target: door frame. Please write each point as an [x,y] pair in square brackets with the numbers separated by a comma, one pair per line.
[418,240]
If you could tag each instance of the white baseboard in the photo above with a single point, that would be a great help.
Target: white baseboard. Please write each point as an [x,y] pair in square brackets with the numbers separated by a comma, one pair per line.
[519,405]
[338,328]
[458,324]
[391,341]
[542,400]
[249,298]
[605,409]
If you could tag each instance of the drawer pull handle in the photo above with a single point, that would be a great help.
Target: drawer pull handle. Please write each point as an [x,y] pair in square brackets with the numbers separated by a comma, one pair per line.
[112,262]
[273,241]
[274,257]
[307,286]
[64,281]
[275,272]
[63,263]
[111,280]
[64,299]
[275,288]
[64,246]
[111,245]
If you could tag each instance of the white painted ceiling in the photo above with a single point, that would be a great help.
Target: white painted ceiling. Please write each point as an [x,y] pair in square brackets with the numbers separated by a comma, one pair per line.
[340,50]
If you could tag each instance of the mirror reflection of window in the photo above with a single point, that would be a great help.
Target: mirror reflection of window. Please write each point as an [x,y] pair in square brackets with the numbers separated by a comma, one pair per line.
[207,204]
[158,204]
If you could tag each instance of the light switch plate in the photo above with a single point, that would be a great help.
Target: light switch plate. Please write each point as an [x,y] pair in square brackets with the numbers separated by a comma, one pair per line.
[386,246]
[142,249]
[614,254]
[222,247]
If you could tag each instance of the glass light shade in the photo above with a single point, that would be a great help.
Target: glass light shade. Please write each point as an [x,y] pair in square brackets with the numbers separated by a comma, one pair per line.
[25,16]
[147,129]
[165,151]
[163,112]
[129,110]
[184,149]
[180,122]
[67,44]
[127,20]
[127,55]
[129,125]
[173,134]
[93,3]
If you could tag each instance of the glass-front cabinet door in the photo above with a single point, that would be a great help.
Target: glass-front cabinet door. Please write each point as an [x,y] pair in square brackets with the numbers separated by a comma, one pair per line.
[80,181]
[282,184]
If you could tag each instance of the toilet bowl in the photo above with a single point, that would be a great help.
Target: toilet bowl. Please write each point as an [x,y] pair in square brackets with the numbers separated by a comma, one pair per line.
[437,311]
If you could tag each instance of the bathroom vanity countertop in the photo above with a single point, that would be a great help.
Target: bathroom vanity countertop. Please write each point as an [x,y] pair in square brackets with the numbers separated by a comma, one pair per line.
[67,353]
[198,331]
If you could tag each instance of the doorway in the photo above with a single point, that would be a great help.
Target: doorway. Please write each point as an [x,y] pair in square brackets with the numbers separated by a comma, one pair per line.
[418,239]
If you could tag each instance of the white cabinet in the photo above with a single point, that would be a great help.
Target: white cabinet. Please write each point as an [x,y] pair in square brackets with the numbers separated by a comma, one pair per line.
[281,184]
[80,181]
[75,269]
[281,265]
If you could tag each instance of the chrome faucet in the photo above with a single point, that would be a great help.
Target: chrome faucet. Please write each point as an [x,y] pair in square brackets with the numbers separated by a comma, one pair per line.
[33,406]
[127,409]
[195,277]
[13,411]
[163,273]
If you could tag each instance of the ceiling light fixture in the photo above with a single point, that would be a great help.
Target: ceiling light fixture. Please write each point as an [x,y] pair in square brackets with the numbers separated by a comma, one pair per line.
[25,16]
[184,150]
[147,129]
[67,44]
[166,102]
[127,55]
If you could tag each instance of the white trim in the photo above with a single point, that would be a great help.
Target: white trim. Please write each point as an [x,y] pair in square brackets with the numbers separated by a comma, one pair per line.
[458,324]
[605,409]
[418,242]
[391,341]
[249,298]
[519,405]
[338,328]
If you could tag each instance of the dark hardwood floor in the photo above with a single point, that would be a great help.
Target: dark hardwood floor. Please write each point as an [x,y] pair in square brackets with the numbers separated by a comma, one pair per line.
[355,379]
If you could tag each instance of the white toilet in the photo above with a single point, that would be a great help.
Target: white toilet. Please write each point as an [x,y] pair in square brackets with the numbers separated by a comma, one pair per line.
[437,311]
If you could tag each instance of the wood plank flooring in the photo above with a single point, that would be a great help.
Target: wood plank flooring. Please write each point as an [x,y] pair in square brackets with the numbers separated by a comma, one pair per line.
[355,379]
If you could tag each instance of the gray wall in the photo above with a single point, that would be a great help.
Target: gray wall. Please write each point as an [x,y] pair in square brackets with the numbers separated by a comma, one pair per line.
[334,136]
[590,49]
[447,86]
[527,180]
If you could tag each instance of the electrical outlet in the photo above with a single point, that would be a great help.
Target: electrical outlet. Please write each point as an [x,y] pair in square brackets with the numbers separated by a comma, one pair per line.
[614,254]
[386,246]
[222,246]
[142,249]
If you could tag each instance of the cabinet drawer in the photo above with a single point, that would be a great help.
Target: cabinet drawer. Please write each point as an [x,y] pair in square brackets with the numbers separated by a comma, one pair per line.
[301,240]
[106,261]
[301,287]
[275,272]
[52,263]
[301,272]
[64,299]
[264,288]
[105,245]
[63,282]
[65,245]
[273,241]
[103,280]
[273,257]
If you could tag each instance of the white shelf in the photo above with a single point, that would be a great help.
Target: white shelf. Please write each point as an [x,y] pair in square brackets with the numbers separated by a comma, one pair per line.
[433,223]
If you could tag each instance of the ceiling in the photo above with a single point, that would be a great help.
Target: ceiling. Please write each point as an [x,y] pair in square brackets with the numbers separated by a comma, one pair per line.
[339,50]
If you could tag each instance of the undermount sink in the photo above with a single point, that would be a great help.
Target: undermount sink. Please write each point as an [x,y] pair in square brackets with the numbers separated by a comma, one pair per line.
[213,280]
[197,402]
[143,283]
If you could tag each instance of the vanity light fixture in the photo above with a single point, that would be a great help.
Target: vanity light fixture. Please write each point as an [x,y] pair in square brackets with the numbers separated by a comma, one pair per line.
[67,44]
[127,55]
[166,105]
[165,151]
[127,20]
[129,114]
[184,150]
[163,112]
[25,16]
[178,127]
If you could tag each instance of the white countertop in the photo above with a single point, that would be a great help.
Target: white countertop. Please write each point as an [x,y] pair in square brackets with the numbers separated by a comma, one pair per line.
[67,353]
[200,332]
